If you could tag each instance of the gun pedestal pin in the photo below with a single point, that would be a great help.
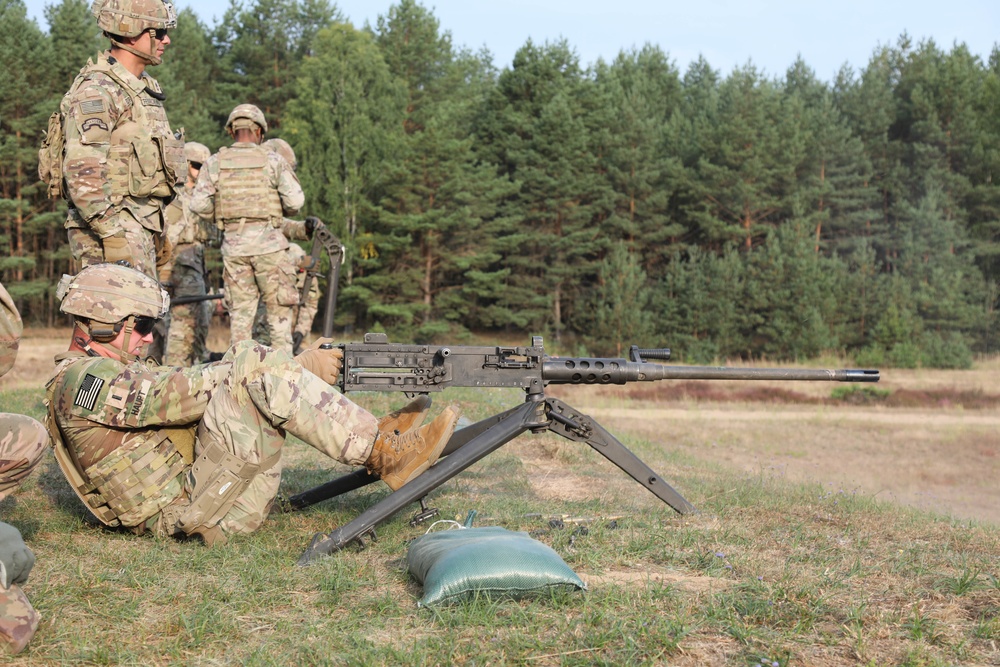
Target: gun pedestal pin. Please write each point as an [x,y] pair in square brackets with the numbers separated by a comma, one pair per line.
[424,514]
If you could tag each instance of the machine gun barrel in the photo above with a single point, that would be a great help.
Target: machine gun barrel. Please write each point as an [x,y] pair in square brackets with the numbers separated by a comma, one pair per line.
[578,370]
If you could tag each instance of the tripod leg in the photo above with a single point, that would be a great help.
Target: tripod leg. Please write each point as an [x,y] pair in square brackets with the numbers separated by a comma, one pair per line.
[577,426]
[515,423]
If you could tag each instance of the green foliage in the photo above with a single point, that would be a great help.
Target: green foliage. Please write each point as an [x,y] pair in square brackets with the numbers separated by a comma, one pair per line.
[778,217]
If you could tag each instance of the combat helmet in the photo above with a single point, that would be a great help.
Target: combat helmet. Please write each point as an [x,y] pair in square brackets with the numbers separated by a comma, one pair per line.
[196,153]
[130,18]
[282,148]
[107,297]
[246,116]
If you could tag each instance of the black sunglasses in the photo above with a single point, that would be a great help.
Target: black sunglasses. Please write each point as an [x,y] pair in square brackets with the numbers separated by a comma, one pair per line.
[160,33]
[144,325]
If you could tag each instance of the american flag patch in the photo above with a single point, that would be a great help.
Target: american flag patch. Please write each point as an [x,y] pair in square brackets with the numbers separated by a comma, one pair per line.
[92,106]
[86,395]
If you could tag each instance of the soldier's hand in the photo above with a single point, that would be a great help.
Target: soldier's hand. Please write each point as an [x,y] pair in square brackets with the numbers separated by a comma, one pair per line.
[116,248]
[16,559]
[165,273]
[323,363]
[164,252]
[312,222]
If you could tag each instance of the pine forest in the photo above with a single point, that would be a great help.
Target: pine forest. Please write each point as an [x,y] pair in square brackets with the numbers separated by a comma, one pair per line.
[724,215]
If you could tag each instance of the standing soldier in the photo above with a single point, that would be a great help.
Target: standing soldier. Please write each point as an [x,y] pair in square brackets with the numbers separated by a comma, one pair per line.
[197,450]
[297,230]
[248,190]
[185,273]
[109,150]
[22,443]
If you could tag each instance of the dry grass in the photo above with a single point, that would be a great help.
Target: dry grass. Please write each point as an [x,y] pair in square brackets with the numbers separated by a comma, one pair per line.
[799,554]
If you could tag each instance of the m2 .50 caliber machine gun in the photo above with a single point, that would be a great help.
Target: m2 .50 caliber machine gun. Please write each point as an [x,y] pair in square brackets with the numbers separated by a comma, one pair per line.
[378,365]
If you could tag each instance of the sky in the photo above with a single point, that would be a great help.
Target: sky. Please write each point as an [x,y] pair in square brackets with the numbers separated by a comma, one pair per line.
[728,33]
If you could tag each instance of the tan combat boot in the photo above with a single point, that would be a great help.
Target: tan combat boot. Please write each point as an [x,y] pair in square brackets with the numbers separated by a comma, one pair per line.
[399,457]
[407,418]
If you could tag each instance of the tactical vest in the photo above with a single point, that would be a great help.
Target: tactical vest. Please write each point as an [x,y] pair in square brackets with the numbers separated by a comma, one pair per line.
[145,158]
[244,190]
[132,483]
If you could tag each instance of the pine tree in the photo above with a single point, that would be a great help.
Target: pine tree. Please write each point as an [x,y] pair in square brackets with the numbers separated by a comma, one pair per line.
[345,122]
[25,63]
[638,92]
[535,129]
[189,76]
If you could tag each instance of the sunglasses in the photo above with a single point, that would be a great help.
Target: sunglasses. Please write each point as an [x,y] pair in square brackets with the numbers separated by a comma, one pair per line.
[144,325]
[160,33]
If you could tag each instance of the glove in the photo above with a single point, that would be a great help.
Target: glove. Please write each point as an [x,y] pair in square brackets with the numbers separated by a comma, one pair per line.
[324,364]
[16,559]
[164,251]
[165,273]
[311,223]
[116,249]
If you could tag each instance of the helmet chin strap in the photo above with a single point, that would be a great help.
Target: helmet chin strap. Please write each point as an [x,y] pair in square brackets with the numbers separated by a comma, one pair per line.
[124,355]
[150,58]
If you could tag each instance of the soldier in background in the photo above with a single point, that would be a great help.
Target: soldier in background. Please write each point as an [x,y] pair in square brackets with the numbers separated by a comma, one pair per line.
[119,160]
[22,443]
[184,275]
[295,230]
[197,450]
[247,190]
[308,306]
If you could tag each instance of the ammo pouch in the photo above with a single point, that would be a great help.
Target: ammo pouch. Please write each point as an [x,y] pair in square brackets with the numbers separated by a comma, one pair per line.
[135,479]
[130,484]
[218,478]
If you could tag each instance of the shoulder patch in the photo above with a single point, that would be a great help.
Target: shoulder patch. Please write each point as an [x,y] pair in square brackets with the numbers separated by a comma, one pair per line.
[92,106]
[91,123]
[86,395]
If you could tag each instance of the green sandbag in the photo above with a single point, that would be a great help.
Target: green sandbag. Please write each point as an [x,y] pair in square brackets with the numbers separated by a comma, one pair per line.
[456,565]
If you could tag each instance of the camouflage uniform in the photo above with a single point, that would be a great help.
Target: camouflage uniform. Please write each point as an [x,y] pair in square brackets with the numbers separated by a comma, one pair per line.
[22,443]
[247,189]
[307,310]
[188,327]
[121,163]
[241,406]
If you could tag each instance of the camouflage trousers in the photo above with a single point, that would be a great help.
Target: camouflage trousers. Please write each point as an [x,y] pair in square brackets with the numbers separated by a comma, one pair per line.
[307,310]
[23,441]
[18,620]
[85,245]
[188,327]
[269,277]
[266,395]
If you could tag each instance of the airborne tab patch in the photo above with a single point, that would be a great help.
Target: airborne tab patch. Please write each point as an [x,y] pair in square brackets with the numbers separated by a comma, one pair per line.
[86,395]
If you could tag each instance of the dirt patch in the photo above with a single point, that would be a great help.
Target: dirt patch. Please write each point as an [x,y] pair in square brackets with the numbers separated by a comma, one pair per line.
[648,578]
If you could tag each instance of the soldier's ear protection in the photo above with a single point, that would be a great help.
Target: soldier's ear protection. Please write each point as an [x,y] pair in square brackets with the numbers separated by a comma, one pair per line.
[104,333]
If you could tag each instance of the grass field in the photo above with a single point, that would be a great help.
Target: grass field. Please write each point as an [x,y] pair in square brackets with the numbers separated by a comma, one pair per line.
[790,560]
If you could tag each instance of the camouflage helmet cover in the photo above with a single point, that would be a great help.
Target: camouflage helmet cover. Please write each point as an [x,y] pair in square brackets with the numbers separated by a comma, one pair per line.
[129,18]
[243,116]
[109,293]
[282,148]
[197,153]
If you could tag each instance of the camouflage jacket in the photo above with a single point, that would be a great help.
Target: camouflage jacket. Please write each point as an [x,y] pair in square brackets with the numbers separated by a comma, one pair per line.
[185,230]
[119,150]
[250,234]
[98,402]
[10,331]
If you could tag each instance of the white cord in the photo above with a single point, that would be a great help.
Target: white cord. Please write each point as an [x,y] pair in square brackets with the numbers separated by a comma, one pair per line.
[455,525]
